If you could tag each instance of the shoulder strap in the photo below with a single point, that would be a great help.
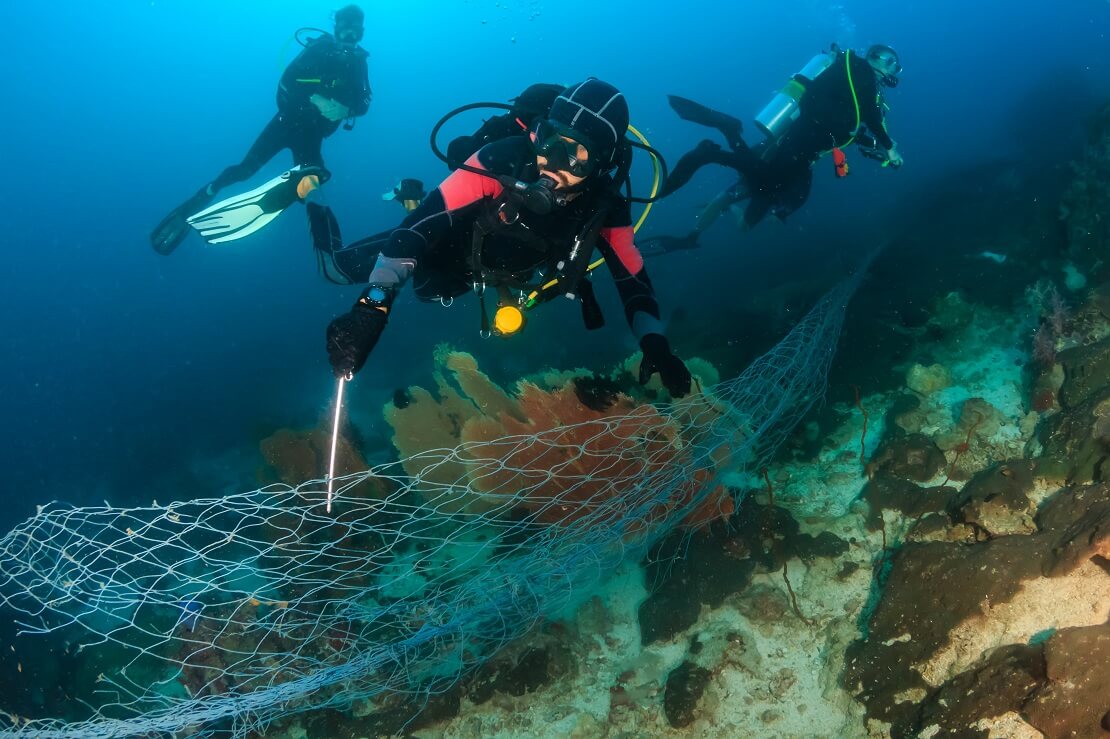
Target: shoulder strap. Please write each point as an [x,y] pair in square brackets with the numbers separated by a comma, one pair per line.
[573,269]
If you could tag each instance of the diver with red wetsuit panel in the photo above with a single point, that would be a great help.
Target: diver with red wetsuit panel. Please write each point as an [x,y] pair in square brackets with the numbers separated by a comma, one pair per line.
[348,264]
[521,207]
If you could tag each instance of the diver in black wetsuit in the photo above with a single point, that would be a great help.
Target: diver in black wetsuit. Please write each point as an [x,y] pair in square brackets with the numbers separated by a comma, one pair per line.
[522,206]
[326,84]
[346,265]
[835,101]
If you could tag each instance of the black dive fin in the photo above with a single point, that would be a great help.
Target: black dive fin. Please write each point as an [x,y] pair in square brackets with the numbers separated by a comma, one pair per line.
[175,227]
[688,110]
[170,233]
[655,246]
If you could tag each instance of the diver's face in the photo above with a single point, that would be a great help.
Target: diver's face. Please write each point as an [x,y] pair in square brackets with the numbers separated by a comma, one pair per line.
[562,178]
[886,68]
[347,34]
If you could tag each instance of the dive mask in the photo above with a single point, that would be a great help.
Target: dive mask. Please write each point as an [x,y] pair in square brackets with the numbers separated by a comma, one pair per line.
[560,147]
[885,61]
[348,34]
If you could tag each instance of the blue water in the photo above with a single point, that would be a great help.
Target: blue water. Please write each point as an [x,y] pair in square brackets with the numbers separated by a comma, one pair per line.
[127,375]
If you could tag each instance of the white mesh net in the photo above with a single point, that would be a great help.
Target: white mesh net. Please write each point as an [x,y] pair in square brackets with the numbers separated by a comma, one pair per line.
[228,613]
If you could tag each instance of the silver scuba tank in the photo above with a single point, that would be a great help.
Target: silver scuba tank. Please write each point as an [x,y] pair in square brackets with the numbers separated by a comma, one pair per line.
[778,115]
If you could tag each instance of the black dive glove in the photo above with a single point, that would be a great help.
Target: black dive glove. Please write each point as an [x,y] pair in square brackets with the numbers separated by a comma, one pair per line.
[353,335]
[659,358]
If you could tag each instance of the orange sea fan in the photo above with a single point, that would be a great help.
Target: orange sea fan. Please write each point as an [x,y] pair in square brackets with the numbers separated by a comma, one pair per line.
[542,451]
[581,463]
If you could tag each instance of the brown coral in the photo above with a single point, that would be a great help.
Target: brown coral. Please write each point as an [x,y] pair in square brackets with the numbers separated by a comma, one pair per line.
[592,458]
[543,450]
[299,456]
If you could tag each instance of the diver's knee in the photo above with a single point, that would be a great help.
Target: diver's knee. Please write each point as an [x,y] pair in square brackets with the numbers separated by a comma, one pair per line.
[235,173]
[706,146]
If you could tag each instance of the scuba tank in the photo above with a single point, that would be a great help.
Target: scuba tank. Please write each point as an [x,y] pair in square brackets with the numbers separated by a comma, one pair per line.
[778,115]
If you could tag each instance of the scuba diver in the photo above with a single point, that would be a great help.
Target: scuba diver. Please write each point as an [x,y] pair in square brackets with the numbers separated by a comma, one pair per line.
[409,192]
[326,85]
[347,265]
[834,101]
[519,207]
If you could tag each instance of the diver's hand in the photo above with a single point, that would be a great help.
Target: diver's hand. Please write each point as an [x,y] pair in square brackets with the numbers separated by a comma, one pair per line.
[893,158]
[333,110]
[659,358]
[353,335]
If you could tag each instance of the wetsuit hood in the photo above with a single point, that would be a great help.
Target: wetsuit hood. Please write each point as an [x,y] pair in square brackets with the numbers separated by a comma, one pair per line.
[594,113]
[886,63]
[349,24]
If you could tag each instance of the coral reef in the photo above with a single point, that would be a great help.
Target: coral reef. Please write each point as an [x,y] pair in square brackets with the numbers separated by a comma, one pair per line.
[885,492]
[1007,569]
[910,456]
[965,589]
[721,561]
[1002,591]
[1076,442]
[742,668]
[1051,688]
[427,422]
[604,436]
[1010,570]
[980,415]
[928,380]
[685,686]
[1086,372]
[998,500]
[950,599]
[295,457]
[945,584]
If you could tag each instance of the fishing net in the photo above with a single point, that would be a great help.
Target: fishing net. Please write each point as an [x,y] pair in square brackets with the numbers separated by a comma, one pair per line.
[225,614]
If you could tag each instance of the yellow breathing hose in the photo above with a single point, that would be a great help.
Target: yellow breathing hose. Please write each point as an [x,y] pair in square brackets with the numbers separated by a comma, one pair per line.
[655,181]
[855,101]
